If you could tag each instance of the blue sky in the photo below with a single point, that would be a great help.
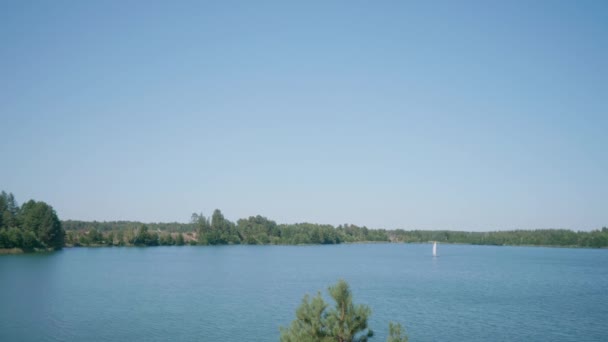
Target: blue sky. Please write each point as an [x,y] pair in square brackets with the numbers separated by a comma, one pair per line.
[444,115]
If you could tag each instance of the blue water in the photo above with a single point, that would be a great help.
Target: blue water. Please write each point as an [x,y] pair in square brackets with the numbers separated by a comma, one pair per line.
[238,293]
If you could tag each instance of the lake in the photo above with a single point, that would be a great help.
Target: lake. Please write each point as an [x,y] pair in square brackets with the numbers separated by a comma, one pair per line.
[238,293]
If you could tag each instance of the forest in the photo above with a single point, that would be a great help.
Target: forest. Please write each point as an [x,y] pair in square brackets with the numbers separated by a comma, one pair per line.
[258,230]
[35,226]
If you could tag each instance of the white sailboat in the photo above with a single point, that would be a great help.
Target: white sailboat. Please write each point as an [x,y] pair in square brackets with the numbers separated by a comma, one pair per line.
[435,248]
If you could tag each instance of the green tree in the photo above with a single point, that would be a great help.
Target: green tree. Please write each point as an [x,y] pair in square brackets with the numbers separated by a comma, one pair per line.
[71,239]
[346,322]
[217,220]
[120,236]
[179,240]
[95,237]
[9,209]
[396,333]
[41,219]
[310,324]
[217,232]
[152,240]
[145,238]
[141,237]
[203,228]
[3,206]
[4,242]
[29,240]
[14,237]
[110,239]
[166,239]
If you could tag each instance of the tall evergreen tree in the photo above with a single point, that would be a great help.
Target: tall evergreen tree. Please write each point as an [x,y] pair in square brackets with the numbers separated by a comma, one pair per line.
[3,206]
[396,333]
[9,209]
[310,324]
[217,220]
[202,226]
[346,322]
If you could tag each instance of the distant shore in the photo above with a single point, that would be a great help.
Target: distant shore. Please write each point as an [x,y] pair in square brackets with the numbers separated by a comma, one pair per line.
[13,251]
[35,227]
[258,230]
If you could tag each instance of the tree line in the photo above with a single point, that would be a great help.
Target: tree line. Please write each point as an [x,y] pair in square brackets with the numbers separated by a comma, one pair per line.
[35,225]
[539,237]
[215,230]
[259,230]
[31,226]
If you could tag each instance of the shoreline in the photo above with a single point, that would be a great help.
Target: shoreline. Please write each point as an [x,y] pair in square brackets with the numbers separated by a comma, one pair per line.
[11,251]
[348,243]
[16,251]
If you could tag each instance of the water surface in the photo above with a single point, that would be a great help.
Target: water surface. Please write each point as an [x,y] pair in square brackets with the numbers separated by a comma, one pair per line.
[237,293]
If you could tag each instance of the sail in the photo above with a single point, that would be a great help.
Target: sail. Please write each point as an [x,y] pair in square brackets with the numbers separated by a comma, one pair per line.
[434,248]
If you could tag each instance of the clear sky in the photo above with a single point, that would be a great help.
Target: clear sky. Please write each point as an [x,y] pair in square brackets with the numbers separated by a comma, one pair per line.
[433,115]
